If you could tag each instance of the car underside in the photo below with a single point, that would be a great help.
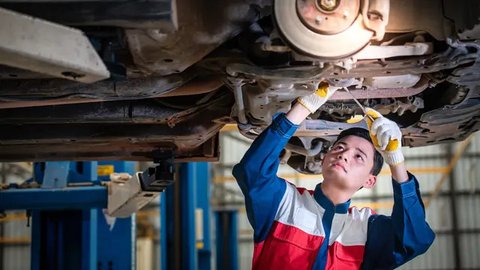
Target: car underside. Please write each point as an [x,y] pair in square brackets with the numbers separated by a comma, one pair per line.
[180,70]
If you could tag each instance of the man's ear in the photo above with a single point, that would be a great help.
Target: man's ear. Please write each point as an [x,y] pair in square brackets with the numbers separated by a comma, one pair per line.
[372,179]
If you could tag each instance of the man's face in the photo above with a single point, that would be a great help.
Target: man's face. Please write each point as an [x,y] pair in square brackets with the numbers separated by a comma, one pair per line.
[348,165]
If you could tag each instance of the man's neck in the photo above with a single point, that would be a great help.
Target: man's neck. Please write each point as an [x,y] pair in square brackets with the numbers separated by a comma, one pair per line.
[334,194]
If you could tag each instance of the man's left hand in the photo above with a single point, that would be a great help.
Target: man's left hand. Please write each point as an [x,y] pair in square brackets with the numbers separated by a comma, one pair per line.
[386,137]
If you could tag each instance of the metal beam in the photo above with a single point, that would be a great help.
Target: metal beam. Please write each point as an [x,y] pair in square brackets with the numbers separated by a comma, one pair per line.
[453,208]
[62,198]
[47,48]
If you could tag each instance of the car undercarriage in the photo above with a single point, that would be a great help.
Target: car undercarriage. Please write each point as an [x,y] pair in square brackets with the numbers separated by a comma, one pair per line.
[180,70]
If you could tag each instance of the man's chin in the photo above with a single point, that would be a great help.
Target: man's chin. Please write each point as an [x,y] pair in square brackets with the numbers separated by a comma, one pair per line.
[336,170]
[335,176]
[341,182]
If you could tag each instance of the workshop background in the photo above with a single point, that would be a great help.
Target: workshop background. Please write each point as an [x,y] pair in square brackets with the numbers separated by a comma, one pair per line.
[448,176]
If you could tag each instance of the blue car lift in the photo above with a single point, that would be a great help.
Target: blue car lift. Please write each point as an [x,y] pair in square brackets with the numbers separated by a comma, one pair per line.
[69,228]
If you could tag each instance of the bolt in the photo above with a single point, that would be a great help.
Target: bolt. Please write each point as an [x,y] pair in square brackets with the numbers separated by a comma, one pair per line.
[328,4]
[345,14]
[318,19]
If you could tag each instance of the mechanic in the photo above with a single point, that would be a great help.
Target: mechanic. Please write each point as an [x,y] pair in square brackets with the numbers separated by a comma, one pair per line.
[290,223]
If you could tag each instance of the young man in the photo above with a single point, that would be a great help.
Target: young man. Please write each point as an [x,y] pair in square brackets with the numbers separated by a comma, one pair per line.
[299,229]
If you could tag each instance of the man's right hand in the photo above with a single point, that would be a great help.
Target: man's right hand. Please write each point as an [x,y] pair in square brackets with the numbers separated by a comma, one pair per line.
[313,101]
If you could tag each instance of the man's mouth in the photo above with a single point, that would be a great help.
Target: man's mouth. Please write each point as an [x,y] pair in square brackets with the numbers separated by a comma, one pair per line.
[340,166]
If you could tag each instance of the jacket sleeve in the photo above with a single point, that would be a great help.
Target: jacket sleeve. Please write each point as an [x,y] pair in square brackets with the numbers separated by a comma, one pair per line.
[392,241]
[256,175]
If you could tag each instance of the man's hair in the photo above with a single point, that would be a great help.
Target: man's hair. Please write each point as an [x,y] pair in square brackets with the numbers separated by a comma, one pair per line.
[363,133]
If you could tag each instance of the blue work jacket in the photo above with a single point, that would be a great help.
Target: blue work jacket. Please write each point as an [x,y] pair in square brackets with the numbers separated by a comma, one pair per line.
[296,228]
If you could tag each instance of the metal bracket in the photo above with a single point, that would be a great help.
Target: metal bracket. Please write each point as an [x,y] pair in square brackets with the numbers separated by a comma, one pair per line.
[127,194]
[159,177]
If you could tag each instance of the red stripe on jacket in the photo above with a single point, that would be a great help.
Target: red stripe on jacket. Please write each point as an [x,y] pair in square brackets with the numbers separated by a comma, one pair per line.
[286,247]
[344,257]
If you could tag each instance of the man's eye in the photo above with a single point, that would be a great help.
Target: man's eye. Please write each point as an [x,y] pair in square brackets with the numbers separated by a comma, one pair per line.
[360,157]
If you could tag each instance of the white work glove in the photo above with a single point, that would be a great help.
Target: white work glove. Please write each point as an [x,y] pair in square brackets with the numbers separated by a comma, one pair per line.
[386,137]
[313,101]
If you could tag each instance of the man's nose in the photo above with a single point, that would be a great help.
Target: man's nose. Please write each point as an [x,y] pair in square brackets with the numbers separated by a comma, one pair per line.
[342,156]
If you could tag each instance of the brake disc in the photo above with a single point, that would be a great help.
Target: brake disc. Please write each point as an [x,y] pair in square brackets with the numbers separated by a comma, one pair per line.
[329,29]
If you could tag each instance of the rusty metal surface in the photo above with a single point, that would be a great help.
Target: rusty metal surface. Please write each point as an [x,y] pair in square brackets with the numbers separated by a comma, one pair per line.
[40,103]
[382,92]
[202,26]
[140,111]
[207,150]
[195,87]
[38,89]
[129,134]
[39,93]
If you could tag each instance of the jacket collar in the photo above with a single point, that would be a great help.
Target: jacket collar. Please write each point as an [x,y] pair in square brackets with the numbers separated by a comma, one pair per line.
[328,205]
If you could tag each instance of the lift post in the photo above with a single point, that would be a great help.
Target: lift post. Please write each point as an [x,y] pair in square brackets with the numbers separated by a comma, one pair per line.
[185,219]
[226,223]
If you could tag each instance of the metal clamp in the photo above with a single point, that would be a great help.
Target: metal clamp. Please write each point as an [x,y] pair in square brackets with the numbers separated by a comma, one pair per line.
[128,194]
